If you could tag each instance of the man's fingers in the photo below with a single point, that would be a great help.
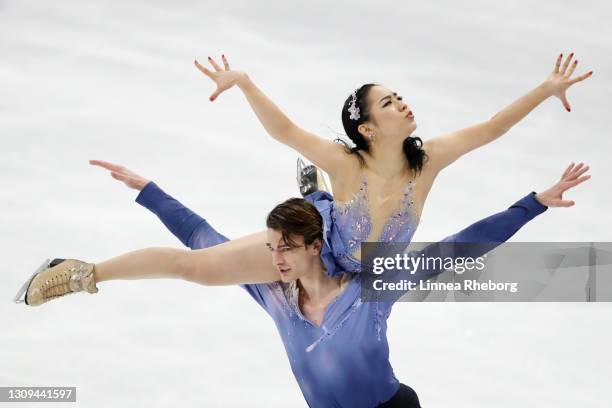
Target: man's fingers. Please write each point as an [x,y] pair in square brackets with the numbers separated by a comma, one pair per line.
[567,170]
[119,176]
[581,180]
[581,172]
[105,164]
[573,183]
[575,169]
[575,172]
[564,203]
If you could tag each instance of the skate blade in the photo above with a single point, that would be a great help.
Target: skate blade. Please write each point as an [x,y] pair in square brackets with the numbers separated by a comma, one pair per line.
[26,285]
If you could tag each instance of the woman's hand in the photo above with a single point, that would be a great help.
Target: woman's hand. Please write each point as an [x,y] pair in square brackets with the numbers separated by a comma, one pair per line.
[572,176]
[131,179]
[224,78]
[561,78]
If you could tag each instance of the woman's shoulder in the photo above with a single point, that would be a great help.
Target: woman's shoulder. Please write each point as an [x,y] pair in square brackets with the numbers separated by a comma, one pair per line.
[348,180]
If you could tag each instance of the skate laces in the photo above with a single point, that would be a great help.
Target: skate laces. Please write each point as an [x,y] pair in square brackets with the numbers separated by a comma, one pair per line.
[66,282]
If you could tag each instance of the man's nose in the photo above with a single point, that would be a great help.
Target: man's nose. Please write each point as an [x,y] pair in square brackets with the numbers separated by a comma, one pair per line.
[277,258]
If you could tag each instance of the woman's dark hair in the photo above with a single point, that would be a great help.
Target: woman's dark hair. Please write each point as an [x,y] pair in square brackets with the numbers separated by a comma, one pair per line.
[412,146]
[296,216]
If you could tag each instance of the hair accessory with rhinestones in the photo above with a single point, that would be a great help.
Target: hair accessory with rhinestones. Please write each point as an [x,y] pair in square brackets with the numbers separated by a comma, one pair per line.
[354,109]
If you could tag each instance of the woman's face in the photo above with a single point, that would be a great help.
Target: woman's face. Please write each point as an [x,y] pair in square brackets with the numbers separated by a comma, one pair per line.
[390,117]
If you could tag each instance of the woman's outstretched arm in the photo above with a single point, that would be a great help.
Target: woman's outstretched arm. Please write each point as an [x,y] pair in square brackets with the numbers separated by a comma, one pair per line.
[324,153]
[446,149]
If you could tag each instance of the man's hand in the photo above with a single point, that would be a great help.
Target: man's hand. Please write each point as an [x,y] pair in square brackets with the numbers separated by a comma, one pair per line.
[131,179]
[572,176]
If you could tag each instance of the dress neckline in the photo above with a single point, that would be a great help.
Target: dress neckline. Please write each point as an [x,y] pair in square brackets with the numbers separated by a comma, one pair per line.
[406,202]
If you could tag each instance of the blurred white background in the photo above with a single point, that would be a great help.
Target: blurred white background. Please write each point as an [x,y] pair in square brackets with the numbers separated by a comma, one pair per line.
[115,80]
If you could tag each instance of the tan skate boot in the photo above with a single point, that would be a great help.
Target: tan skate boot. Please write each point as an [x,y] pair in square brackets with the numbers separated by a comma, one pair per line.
[63,277]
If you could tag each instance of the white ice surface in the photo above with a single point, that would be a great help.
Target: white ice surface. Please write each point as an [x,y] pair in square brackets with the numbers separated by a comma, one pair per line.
[114,80]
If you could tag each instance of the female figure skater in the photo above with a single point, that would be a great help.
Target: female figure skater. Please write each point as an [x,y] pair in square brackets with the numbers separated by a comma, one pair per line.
[316,314]
[380,186]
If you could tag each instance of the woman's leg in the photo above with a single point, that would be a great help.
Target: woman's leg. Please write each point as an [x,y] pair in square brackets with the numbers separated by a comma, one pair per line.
[239,261]
[243,260]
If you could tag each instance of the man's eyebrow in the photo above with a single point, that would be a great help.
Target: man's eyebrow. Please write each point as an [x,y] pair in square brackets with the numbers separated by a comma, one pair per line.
[387,97]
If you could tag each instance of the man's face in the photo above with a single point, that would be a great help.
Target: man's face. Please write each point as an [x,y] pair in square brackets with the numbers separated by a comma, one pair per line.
[292,262]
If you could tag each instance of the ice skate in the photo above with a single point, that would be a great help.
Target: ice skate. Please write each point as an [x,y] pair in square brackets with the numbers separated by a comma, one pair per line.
[309,178]
[55,279]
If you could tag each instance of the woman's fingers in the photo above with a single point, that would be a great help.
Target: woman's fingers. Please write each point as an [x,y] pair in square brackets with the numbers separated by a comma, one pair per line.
[571,70]
[581,78]
[203,69]
[566,63]
[558,63]
[214,64]
[565,103]
[225,63]
[215,94]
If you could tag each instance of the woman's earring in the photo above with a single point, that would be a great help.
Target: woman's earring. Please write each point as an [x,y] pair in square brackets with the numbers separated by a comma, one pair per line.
[371,137]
